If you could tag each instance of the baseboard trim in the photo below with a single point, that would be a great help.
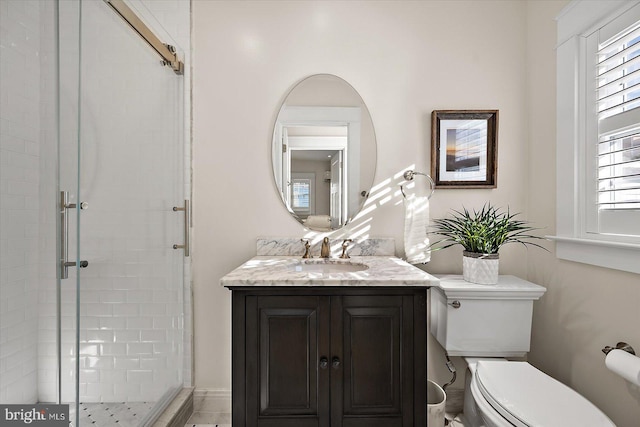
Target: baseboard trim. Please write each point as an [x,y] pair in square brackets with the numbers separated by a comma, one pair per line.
[212,392]
[179,410]
[211,406]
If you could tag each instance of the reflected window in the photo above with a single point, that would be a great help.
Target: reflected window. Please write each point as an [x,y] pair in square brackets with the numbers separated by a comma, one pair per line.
[301,188]
[303,193]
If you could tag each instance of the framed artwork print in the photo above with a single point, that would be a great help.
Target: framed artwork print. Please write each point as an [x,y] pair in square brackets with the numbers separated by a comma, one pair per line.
[464,148]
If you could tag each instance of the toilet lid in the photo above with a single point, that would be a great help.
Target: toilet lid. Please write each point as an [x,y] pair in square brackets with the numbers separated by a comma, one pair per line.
[527,397]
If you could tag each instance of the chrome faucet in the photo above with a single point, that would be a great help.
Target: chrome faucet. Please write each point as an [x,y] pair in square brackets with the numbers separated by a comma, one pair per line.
[325,251]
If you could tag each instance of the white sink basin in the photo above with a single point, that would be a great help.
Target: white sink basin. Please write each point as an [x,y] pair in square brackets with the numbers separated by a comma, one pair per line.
[327,267]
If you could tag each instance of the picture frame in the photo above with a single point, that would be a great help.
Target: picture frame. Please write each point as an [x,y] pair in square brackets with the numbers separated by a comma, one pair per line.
[464,148]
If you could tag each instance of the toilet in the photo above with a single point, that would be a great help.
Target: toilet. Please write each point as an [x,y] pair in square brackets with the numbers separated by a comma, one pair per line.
[487,324]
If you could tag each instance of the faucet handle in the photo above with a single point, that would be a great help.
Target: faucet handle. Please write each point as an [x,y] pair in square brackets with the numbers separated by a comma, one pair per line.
[307,247]
[345,243]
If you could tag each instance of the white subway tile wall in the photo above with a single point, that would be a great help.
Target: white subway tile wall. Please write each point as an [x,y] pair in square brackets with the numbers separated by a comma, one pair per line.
[133,346]
[19,204]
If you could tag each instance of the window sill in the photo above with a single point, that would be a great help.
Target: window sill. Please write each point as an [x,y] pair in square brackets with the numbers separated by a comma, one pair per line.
[616,255]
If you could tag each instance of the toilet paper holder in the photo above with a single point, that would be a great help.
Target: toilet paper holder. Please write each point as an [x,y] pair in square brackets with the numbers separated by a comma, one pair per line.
[620,346]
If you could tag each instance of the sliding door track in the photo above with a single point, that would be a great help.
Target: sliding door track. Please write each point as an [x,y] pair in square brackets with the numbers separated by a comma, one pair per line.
[166,51]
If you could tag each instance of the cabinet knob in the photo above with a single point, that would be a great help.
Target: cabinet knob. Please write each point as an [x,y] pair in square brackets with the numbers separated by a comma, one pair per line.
[324,363]
[455,304]
[335,362]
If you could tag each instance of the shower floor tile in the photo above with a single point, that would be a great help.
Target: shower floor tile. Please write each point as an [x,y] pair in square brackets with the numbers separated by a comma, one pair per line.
[113,414]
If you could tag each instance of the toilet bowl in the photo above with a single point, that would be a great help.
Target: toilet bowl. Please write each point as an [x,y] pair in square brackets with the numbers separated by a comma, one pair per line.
[486,324]
[501,393]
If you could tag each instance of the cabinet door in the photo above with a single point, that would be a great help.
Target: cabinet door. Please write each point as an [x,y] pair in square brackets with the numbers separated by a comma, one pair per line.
[287,385]
[372,351]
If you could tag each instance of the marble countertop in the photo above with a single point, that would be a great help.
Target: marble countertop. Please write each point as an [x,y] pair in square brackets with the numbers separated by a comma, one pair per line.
[284,271]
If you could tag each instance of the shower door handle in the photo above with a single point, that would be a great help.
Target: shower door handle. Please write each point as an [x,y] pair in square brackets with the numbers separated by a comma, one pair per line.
[187,220]
[64,235]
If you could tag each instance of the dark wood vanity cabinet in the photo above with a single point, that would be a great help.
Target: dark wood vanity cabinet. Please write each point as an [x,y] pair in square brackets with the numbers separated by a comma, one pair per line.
[329,357]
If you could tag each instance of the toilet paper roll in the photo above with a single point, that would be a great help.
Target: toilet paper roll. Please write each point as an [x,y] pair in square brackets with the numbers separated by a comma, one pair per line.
[624,364]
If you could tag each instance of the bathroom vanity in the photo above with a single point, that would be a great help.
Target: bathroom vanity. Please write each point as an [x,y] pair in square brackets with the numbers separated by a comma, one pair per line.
[329,342]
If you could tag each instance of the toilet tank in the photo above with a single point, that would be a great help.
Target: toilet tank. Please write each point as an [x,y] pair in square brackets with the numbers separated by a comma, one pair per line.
[469,319]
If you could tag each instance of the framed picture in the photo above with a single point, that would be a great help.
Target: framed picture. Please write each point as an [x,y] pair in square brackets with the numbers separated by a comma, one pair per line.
[464,148]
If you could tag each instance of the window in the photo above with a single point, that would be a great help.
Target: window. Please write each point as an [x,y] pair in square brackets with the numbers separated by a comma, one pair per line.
[303,190]
[598,139]
[613,88]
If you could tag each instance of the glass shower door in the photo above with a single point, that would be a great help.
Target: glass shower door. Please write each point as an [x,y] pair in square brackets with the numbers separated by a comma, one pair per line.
[122,335]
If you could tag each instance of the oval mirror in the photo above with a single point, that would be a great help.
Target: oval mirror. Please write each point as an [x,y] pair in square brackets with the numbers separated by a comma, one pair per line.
[323,152]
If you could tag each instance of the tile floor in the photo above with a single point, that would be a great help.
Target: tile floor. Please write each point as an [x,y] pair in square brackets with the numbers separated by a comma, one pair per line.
[215,411]
[124,414]
[208,412]
[456,422]
[210,409]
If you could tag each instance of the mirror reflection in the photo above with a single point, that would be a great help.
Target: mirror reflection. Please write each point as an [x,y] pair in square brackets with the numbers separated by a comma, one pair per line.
[323,152]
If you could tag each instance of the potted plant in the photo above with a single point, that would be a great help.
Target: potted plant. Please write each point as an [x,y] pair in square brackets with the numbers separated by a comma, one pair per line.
[481,233]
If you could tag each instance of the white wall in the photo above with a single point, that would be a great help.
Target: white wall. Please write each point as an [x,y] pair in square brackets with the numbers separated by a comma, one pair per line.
[585,307]
[405,59]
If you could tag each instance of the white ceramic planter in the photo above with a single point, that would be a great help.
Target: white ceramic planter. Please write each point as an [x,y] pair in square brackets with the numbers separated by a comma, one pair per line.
[480,268]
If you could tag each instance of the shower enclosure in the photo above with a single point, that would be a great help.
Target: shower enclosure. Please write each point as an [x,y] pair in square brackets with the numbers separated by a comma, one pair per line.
[92,203]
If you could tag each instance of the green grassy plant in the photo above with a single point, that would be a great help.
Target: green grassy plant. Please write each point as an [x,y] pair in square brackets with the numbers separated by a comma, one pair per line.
[482,231]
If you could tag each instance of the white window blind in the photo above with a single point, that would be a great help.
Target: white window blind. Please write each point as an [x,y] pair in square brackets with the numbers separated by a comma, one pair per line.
[301,190]
[302,194]
[619,172]
[617,152]
[618,73]
[598,130]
